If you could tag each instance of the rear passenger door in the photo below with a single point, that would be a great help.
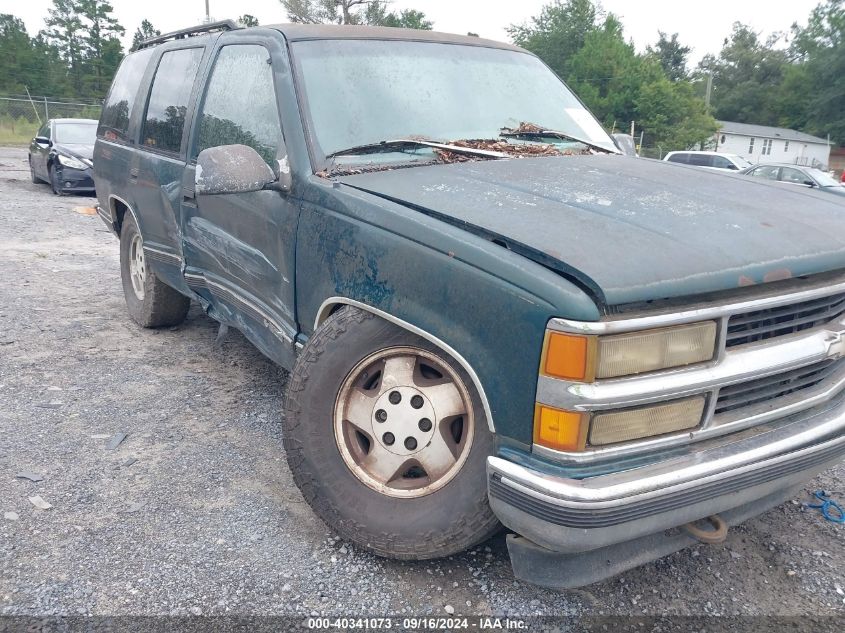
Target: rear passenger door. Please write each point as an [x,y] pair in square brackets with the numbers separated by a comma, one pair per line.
[239,248]
[155,174]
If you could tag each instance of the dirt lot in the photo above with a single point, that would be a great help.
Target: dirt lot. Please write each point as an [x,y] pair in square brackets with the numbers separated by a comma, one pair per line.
[195,512]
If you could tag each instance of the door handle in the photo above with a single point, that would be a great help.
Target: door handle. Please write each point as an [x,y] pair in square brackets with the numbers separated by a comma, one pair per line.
[187,194]
[133,173]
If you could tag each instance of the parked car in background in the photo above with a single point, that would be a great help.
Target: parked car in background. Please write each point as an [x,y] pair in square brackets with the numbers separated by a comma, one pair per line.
[489,313]
[61,155]
[797,175]
[708,160]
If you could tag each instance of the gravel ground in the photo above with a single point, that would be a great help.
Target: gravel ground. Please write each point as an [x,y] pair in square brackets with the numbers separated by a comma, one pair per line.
[195,512]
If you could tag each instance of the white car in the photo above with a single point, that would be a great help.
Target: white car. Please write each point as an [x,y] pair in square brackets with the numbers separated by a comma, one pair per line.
[709,160]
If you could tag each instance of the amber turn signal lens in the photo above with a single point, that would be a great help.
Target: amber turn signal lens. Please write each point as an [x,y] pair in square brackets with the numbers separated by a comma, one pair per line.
[559,430]
[567,356]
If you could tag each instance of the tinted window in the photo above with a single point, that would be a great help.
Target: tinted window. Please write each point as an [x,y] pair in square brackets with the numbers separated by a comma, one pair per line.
[169,96]
[679,158]
[722,163]
[44,131]
[701,160]
[76,133]
[247,115]
[114,121]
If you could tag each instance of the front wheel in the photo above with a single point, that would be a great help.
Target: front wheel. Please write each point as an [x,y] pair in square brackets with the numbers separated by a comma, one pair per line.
[35,179]
[55,185]
[150,301]
[387,440]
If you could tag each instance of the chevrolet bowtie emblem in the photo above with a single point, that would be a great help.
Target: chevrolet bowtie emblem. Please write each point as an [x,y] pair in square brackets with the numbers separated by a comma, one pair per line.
[835,345]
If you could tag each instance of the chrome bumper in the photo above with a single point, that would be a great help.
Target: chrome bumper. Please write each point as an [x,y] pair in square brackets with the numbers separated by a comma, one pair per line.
[576,515]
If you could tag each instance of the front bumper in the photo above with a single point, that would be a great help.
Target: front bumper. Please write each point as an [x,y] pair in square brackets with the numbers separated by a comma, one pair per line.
[75,180]
[579,515]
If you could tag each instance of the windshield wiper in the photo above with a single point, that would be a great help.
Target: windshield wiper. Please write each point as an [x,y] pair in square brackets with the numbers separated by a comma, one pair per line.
[399,144]
[539,132]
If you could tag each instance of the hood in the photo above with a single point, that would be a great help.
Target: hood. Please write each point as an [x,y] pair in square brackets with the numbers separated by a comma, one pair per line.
[628,229]
[77,150]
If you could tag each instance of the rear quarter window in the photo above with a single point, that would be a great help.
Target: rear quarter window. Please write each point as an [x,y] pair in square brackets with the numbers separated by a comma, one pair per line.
[169,95]
[117,110]
[679,158]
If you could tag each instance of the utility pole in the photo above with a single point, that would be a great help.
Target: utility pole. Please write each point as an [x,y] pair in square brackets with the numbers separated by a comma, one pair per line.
[707,103]
[207,13]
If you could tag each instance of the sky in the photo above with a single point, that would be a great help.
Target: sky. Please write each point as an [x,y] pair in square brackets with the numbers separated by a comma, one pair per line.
[700,25]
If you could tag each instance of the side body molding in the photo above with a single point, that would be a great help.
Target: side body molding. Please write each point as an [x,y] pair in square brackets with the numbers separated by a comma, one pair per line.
[329,304]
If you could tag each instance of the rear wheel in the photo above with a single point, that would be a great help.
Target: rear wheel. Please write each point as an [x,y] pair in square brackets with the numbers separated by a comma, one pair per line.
[150,301]
[387,439]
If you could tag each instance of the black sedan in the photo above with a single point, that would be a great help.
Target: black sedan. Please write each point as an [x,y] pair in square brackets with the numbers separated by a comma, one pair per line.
[60,155]
[798,175]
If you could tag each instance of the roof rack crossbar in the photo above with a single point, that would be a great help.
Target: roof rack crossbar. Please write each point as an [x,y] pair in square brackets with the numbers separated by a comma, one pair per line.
[222,25]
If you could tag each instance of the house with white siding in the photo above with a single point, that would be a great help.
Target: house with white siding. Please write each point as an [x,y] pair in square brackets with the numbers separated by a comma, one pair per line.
[765,144]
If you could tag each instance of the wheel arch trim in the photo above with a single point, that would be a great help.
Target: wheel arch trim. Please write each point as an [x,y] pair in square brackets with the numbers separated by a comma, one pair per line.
[112,199]
[328,306]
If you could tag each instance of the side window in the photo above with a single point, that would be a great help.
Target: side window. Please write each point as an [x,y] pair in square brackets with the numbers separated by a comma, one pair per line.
[246,115]
[722,163]
[701,160]
[169,96]
[793,175]
[678,158]
[114,121]
[44,131]
[770,173]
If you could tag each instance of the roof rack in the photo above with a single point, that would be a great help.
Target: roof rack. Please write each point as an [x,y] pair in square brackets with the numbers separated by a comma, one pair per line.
[222,25]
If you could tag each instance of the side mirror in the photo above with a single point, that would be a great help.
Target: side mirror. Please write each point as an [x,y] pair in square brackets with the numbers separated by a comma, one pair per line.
[236,169]
[43,140]
[809,183]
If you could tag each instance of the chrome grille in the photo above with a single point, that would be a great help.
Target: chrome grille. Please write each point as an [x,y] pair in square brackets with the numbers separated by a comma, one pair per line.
[759,325]
[771,387]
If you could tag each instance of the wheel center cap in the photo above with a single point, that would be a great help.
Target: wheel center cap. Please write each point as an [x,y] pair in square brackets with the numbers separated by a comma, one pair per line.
[403,420]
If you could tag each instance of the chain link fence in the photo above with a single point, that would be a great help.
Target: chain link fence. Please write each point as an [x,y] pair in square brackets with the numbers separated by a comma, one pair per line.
[22,115]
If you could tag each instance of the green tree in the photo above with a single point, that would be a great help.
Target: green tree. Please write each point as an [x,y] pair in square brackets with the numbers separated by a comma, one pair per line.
[746,77]
[373,12]
[143,32]
[248,20]
[102,32]
[820,51]
[671,55]
[64,31]
[587,48]
[559,32]
[408,19]
[16,51]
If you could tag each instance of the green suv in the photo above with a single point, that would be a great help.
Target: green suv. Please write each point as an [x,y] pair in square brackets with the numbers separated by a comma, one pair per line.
[490,314]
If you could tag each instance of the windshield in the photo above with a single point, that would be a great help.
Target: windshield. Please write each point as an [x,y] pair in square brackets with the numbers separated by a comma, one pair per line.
[824,179]
[359,92]
[76,133]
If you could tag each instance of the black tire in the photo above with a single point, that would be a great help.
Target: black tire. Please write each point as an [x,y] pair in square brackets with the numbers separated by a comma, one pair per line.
[446,521]
[162,305]
[55,185]
[35,179]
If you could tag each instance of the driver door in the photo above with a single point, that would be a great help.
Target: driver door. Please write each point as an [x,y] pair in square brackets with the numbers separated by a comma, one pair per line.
[239,248]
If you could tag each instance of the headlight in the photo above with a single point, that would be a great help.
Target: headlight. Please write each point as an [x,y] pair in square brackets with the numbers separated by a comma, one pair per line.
[585,358]
[69,161]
